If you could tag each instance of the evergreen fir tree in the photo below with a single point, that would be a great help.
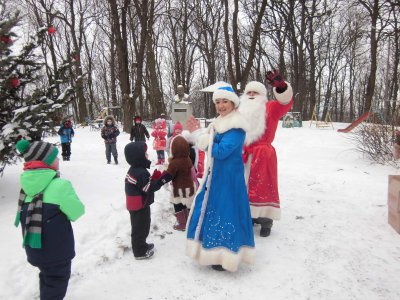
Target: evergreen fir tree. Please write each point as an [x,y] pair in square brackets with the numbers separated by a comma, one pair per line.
[26,108]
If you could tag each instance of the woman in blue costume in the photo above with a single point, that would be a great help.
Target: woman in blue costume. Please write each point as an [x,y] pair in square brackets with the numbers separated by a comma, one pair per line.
[219,230]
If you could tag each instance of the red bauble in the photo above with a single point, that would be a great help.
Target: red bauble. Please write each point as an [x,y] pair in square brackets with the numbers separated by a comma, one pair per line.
[14,82]
[5,39]
[51,30]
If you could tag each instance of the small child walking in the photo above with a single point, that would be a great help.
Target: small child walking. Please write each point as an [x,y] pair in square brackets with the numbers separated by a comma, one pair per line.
[66,133]
[47,204]
[109,133]
[139,191]
[159,133]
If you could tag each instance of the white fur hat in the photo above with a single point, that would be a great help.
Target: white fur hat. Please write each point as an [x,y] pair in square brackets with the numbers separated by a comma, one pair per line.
[226,92]
[255,86]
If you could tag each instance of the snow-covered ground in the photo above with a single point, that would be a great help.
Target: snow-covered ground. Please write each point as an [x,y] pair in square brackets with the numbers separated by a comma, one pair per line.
[333,241]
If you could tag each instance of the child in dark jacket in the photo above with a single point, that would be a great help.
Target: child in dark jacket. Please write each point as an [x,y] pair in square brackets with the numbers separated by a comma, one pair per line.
[109,133]
[46,207]
[66,132]
[139,191]
[139,131]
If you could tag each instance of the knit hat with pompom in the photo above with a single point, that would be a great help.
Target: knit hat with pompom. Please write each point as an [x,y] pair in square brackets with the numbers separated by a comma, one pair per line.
[178,125]
[37,151]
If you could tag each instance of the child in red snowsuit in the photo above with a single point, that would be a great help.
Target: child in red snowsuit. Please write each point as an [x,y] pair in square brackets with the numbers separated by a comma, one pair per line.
[159,133]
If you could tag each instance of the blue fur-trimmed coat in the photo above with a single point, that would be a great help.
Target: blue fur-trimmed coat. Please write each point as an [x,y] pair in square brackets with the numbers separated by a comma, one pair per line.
[220,230]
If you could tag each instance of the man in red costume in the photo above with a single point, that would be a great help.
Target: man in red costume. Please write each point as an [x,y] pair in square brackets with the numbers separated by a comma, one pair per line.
[261,169]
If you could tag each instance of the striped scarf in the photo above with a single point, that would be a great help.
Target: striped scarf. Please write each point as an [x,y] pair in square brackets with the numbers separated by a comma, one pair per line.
[33,221]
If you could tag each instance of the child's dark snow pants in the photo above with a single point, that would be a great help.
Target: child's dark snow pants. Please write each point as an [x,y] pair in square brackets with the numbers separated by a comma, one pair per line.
[54,281]
[140,222]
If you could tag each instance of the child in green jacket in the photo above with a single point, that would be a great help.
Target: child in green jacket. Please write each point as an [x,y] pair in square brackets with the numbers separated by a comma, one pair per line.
[46,206]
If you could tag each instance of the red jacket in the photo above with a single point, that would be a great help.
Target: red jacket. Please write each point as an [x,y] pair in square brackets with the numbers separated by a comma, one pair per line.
[263,179]
[160,141]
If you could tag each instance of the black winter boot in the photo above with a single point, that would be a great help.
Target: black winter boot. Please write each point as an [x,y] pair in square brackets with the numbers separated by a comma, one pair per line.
[116,160]
[218,268]
[149,253]
[266,225]
[150,246]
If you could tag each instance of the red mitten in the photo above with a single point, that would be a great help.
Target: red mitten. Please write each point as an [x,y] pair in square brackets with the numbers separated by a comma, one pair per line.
[156,175]
[276,80]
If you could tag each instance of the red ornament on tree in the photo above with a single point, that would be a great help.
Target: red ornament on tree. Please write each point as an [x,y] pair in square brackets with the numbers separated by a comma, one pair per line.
[5,39]
[51,30]
[14,81]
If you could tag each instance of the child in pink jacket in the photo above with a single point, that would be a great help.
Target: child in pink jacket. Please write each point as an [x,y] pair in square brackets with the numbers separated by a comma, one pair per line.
[160,133]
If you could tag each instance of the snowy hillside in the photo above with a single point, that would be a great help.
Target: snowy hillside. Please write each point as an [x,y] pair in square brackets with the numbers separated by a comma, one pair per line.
[333,241]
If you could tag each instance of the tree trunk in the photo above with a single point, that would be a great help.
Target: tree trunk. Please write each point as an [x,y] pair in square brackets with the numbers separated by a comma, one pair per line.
[118,16]
[79,91]
[374,14]
[156,97]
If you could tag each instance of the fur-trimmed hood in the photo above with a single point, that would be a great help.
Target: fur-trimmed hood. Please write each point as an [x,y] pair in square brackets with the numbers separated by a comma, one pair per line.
[180,147]
[230,121]
[109,118]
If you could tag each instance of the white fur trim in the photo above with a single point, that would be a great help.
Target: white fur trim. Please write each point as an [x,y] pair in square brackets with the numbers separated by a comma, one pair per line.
[200,138]
[224,94]
[286,96]
[221,125]
[255,86]
[254,111]
[220,256]
[202,142]
[188,136]
[230,121]
[183,200]
[247,167]
[270,212]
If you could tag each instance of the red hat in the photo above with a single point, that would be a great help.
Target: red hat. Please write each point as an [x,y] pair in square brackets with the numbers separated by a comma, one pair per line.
[178,125]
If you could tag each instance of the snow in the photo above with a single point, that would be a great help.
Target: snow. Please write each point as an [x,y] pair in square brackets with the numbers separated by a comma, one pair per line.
[8,129]
[21,110]
[61,97]
[333,241]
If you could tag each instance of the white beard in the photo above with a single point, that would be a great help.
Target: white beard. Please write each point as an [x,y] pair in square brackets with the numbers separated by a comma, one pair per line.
[254,111]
